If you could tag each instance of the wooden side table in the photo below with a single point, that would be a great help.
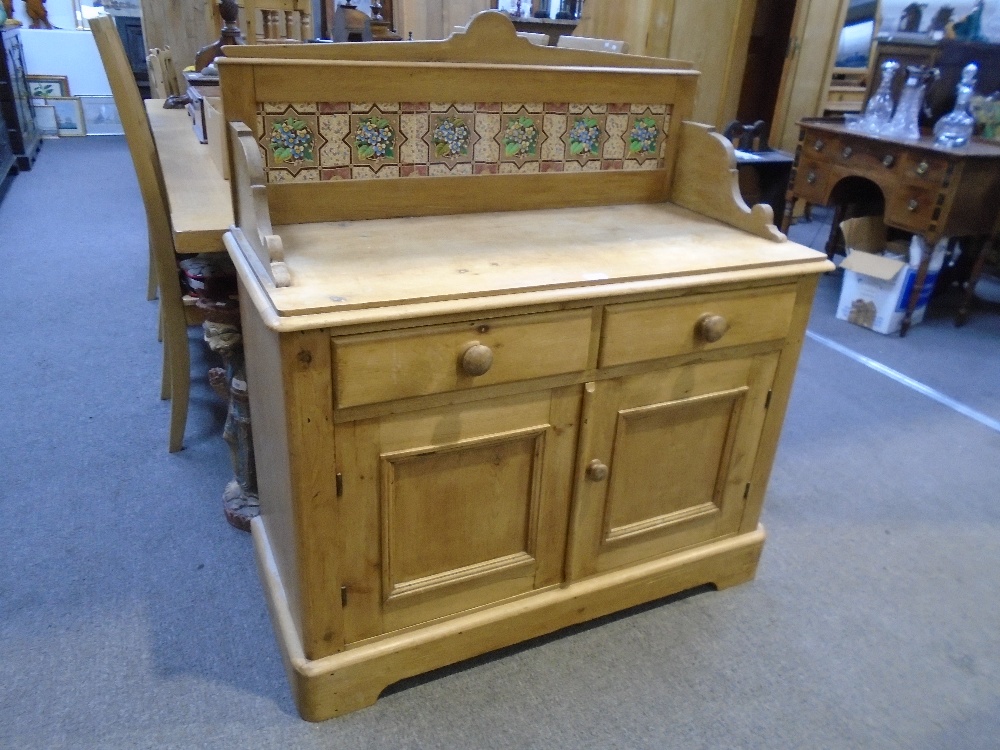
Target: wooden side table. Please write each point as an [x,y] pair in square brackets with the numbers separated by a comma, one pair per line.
[932,191]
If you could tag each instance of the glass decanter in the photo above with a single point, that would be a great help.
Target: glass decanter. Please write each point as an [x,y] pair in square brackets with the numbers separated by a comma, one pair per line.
[905,123]
[878,110]
[955,128]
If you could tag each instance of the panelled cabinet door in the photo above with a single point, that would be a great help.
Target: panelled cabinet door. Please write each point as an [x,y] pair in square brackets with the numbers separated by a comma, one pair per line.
[665,458]
[448,509]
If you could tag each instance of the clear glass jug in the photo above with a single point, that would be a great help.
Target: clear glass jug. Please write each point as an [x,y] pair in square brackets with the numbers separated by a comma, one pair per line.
[905,123]
[878,110]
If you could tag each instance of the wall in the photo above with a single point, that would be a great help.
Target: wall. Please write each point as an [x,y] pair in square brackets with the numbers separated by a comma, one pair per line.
[66,52]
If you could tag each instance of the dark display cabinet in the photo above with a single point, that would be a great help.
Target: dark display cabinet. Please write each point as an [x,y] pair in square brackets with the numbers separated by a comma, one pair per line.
[15,104]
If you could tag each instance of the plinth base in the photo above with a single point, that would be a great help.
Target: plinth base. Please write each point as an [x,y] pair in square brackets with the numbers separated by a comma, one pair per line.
[354,678]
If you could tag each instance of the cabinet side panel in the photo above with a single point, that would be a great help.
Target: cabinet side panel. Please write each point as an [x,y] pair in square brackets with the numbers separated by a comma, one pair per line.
[270,436]
[308,401]
[781,390]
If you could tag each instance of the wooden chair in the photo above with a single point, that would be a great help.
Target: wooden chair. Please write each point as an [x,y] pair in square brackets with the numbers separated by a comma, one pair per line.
[592,44]
[176,374]
[162,75]
[271,21]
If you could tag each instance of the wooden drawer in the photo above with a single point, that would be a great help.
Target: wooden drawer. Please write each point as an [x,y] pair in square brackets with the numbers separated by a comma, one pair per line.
[811,178]
[911,206]
[924,168]
[371,368]
[649,330]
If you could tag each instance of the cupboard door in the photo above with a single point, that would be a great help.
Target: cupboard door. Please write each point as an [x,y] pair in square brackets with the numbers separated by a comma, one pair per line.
[448,509]
[665,460]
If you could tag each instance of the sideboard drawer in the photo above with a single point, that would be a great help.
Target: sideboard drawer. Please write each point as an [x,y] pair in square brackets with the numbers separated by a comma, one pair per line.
[634,332]
[372,368]
[810,180]
[911,206]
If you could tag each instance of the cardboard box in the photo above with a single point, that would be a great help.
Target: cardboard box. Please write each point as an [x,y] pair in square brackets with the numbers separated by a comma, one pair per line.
[877,287]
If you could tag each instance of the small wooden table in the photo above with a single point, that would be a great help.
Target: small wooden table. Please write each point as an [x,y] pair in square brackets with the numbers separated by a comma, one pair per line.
[201,207]
[928,190]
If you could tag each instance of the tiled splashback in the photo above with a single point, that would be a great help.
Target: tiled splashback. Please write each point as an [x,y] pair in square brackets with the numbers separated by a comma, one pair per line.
[308,142]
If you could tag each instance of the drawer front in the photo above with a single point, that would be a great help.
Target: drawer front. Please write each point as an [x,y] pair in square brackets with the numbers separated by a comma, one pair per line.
[911,207]
[372,368]
[810,180]
[924,168]
[650,330]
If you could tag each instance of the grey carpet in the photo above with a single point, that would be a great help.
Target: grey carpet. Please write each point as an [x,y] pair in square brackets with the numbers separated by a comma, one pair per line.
[131,615]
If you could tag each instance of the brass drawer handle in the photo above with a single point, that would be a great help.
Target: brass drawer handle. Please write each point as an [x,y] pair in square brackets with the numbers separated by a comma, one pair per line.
[811,178]
[477,359]
[888,160]
[912,205]
[819,145]
[846,153]
[711,327]
[922,168]
[597,471]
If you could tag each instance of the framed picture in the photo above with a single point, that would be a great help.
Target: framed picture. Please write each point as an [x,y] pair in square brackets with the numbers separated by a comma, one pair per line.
[69,115]
[45,120]
[43,87]
[101,116]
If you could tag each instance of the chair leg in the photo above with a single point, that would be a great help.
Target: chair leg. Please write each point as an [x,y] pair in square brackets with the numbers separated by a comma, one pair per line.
[151,284]
[179,366]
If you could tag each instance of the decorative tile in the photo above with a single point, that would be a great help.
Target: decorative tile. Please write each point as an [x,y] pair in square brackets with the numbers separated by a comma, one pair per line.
[291,141]
[586,136]
[616,127]
[645,137]
[452,138]
[352,140]
[375,139]
[520,138]
[414,127]
[334,128]
[487,149]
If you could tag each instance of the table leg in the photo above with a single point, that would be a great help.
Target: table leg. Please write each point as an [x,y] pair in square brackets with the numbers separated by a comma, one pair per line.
[839,210]
[918,285]
[786,218]
[980,246]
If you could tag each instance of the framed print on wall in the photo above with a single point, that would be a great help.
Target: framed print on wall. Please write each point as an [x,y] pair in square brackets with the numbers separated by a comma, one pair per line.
[69,115]
[44,87]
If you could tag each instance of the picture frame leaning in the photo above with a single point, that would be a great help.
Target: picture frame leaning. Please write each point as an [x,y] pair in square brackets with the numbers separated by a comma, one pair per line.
[44,86]
[69,115]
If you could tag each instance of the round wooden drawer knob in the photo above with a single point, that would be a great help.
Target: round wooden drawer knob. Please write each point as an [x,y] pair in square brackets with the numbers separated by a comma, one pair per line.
[597,471]
[711,327]
[477,359]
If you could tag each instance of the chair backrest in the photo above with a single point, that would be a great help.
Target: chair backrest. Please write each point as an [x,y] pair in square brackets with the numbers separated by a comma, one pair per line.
[142,148]
[455,138]
[271,21]
[162,76]
[592,44]
[461,47]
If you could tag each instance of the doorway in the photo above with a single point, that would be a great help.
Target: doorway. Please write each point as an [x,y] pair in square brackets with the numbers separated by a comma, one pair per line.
[769,39]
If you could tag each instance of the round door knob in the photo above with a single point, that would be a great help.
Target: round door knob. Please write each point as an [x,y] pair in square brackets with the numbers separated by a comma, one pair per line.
[477,359]
[846,153]
[711,327]
[922,168]
[912,205]
[811,178]
[597,471]
[819,145]
[888,160]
